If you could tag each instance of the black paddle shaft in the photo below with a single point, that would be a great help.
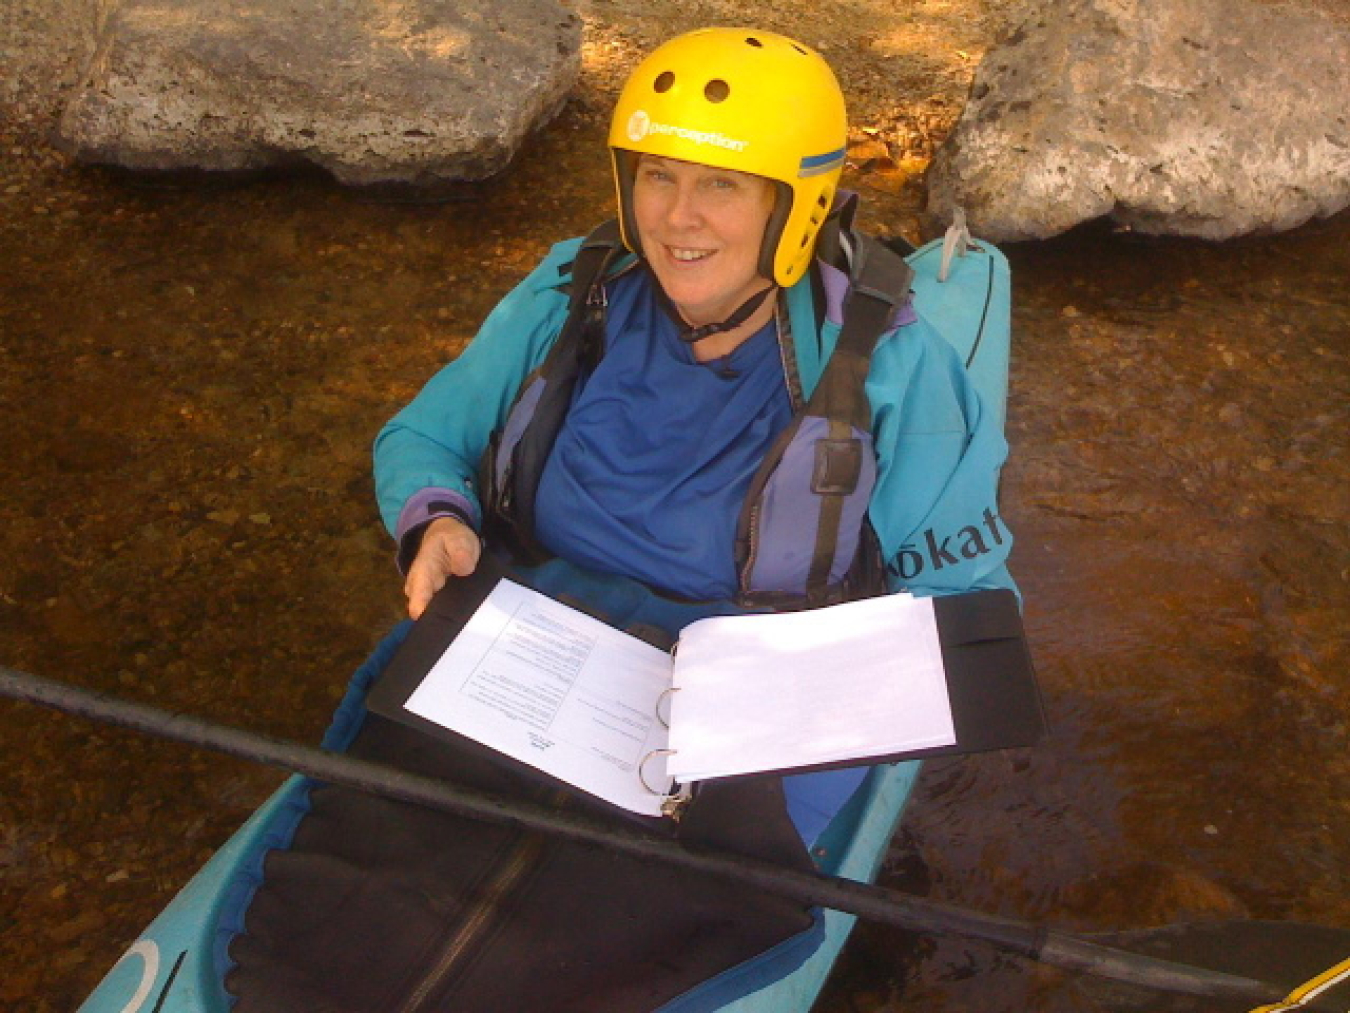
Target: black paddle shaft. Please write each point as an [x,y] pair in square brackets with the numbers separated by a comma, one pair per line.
[864,900]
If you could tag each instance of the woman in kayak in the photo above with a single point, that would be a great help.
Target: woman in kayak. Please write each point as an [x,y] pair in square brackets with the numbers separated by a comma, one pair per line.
[725,402]
[690,472]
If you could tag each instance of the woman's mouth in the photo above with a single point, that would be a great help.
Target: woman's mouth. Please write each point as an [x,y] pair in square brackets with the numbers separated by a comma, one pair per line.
[688,256]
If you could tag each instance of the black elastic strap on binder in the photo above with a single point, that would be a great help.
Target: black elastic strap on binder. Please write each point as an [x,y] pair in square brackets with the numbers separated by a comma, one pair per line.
[991,683]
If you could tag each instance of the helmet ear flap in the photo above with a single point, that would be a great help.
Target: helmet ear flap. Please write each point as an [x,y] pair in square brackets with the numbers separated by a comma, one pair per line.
[783,197]
[625,171]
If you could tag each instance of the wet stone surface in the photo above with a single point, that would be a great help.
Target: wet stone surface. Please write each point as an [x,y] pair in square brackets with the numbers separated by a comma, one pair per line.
[191,374]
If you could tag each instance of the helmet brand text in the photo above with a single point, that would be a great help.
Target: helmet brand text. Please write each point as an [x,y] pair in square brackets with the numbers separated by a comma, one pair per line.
[640,125]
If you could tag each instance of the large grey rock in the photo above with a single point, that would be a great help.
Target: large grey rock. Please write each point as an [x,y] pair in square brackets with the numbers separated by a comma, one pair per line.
[44,48]
[374,91]
[1208,118]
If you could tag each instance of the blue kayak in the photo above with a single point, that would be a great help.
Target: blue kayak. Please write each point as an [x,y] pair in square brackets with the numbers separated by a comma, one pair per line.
[175,966]
[178,963]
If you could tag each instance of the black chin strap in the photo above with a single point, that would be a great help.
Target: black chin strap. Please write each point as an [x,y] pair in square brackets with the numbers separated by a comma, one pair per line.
[690,334]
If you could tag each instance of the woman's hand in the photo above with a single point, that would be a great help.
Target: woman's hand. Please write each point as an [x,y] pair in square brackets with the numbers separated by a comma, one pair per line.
[449,548]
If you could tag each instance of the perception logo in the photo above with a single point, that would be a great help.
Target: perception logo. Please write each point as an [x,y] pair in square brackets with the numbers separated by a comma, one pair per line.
[641,125]
[638,125]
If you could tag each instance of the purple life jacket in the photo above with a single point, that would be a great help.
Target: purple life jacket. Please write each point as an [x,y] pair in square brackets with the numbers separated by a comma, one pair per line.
[802,538]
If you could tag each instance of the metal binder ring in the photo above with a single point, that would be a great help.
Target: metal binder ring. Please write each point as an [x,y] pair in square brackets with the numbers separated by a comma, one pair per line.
[642,777]
[664,698]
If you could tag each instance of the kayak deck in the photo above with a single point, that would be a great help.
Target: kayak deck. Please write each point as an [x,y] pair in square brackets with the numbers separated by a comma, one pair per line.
[173,967]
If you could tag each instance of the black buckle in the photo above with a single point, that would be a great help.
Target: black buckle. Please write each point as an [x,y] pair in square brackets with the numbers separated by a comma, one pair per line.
[838,467]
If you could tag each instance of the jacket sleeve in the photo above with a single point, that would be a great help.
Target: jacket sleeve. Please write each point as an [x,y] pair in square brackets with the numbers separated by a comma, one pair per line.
[939,455]
[427,456]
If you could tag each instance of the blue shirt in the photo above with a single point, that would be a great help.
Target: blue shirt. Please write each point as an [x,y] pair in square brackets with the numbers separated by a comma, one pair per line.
[651,468]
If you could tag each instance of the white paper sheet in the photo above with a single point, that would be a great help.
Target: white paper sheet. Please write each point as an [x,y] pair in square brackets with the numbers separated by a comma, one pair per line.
[558,690]
[765,692]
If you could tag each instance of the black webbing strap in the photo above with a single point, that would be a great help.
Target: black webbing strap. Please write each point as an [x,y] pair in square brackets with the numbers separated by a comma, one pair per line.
[879,284]
[579,346]
[585,323]
[690,334]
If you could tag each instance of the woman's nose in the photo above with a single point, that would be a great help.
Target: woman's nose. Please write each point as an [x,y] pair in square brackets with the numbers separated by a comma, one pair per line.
[683,210]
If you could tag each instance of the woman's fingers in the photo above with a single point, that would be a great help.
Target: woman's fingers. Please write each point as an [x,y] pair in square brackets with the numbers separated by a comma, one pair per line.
[462,549]
[421,586]
[449,548]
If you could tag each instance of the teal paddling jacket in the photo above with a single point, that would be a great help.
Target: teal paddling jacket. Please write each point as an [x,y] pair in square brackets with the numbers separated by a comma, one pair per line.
[939,447]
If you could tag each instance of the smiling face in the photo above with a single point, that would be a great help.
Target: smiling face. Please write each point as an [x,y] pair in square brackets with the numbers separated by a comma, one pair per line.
[701,230]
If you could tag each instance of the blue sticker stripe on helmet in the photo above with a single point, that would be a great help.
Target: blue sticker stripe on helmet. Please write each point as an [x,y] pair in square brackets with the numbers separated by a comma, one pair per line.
[814,165]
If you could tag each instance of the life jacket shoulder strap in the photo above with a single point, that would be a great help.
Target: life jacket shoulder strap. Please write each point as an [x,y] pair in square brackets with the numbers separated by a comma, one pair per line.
[879,286]
[511,472]
[879,278]
[594,256]
[832,436]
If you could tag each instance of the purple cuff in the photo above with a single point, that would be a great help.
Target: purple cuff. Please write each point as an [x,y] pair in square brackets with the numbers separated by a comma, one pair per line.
[836,289]
[423,508]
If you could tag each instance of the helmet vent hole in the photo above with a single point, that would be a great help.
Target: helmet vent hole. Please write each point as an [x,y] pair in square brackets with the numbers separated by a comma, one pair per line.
[716,91]
[800,49]
[752,41]
[664,82]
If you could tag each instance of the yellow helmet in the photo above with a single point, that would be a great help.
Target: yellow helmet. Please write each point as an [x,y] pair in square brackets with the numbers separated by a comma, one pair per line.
[746,100]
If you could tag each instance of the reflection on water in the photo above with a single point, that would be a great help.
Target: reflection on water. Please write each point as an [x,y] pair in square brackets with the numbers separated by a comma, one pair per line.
[190,382]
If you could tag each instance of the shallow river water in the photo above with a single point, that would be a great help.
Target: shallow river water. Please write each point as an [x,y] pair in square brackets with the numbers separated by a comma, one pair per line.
[190,377]
[1179,419]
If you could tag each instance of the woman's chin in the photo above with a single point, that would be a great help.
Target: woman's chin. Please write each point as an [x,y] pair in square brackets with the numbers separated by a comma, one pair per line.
[699,314]
[693,301]
[699,290]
